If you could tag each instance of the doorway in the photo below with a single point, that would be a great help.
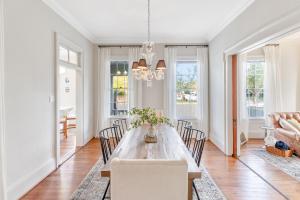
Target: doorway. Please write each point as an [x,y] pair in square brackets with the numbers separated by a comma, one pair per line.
[69,95]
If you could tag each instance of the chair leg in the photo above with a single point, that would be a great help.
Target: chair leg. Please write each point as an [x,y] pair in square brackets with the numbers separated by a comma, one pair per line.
[194,186]
[106,189]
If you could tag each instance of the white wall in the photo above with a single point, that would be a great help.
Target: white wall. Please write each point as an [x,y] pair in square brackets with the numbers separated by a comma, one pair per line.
[260,20]
[290,66]
[29,81]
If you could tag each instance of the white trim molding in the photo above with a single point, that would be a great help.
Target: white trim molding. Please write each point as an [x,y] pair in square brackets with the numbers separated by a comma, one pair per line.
[3,194]
[218,29]
[70,19]
[26,183]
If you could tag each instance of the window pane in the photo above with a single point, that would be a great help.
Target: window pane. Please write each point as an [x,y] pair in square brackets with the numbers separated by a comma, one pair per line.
[255,92]
[73,57]
[63,54]
[186,88]
[119,91]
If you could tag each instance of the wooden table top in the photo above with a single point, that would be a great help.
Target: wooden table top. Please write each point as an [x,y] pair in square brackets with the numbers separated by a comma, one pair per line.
[169,146]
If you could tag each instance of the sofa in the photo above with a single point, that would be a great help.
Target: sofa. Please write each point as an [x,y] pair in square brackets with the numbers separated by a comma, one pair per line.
[289,137]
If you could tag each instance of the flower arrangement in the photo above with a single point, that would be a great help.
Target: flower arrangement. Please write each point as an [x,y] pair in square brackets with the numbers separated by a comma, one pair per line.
[147,116]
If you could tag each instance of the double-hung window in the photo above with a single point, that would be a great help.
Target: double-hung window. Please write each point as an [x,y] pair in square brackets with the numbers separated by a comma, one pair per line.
[119,88]
[255,89]
[186,89]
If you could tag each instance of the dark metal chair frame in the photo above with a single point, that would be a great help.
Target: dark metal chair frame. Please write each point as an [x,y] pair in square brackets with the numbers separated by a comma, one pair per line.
[198,138]
[180,126]
[106,147]
[122,122]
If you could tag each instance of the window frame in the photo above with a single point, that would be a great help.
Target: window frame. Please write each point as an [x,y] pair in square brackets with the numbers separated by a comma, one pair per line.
[118,59]
[255,60]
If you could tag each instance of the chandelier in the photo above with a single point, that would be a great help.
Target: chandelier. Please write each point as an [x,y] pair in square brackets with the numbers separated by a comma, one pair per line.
[144,69]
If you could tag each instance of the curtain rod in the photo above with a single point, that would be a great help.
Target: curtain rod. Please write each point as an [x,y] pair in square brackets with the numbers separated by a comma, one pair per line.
[186,45]
[120,46]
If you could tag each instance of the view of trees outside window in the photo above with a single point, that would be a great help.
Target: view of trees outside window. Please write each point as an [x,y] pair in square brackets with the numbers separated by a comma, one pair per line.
[255,89]
[119,87]
[186,82]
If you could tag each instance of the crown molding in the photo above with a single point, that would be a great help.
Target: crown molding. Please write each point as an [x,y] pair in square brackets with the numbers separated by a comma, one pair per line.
[218,29]
[70,20]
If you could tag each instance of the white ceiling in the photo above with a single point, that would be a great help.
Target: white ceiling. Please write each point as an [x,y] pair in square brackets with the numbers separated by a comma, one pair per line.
[172,21]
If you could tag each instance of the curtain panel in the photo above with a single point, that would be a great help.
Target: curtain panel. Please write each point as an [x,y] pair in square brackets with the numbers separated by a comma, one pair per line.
[272,83]
[135,86]
[170,83]
[103,84]
[202,87]
[243,121]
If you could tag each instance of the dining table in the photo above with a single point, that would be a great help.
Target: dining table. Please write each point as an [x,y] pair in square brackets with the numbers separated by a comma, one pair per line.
[169,146]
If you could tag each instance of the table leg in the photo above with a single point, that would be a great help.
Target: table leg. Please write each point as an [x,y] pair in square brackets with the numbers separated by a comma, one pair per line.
[190,189]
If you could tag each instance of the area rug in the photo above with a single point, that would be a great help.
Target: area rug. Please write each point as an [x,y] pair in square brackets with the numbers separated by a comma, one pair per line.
[93,186]
[290,165]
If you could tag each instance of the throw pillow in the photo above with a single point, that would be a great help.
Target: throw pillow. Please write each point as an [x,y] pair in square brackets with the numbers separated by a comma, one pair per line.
[294,123]
[287,126]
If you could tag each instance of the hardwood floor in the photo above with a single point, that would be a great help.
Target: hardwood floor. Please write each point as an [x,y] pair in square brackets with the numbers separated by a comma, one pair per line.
[234,179]
[67,146]
[280,180]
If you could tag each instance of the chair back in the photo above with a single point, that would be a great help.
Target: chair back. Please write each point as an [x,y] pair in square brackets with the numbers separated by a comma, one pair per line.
[197,142]
[122,125]
[180,126]
[108,142]
[149,179]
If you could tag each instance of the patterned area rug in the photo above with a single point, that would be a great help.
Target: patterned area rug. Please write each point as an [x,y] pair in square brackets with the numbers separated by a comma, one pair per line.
[93,186]
[290,166]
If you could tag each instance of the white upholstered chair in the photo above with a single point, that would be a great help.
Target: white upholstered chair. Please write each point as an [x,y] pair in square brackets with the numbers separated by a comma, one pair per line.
[149,179]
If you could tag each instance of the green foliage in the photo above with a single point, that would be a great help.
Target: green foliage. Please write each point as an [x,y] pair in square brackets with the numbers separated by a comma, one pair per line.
[147,116]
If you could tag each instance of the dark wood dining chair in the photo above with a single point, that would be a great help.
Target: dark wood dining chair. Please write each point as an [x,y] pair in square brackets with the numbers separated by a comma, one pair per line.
[196,140]
[180,126]
[107,139]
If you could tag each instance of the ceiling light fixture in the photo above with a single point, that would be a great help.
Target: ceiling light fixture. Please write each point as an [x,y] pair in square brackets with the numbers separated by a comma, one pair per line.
[143,69]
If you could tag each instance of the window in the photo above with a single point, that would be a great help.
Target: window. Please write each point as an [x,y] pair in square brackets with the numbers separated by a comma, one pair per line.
[68,56]
[119,88]
[255,89]
[186,89]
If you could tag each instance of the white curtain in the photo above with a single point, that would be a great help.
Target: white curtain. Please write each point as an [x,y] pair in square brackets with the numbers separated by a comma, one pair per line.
[272,81]
[243,120]
[135,86]
[202,86]
[103,88]
[170,83]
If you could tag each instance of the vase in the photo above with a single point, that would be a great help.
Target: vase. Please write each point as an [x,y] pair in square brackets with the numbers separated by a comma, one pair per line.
[151,137]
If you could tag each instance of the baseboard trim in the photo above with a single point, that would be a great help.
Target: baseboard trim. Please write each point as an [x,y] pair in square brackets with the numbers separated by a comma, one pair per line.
[25,184]
[216,142]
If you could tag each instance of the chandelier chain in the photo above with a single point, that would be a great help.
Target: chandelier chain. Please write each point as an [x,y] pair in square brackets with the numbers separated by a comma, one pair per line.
[148,20]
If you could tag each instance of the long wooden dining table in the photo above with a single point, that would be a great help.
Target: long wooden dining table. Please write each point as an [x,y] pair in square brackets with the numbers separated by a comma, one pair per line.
[169,146]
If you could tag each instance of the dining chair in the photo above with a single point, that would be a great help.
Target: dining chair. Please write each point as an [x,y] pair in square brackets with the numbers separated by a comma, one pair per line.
[122,123]
[112,134]
[180,126]
[197,140]
[106,148]
[137,179]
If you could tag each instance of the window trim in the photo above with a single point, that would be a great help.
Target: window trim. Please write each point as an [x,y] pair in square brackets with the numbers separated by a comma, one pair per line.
[119,59]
